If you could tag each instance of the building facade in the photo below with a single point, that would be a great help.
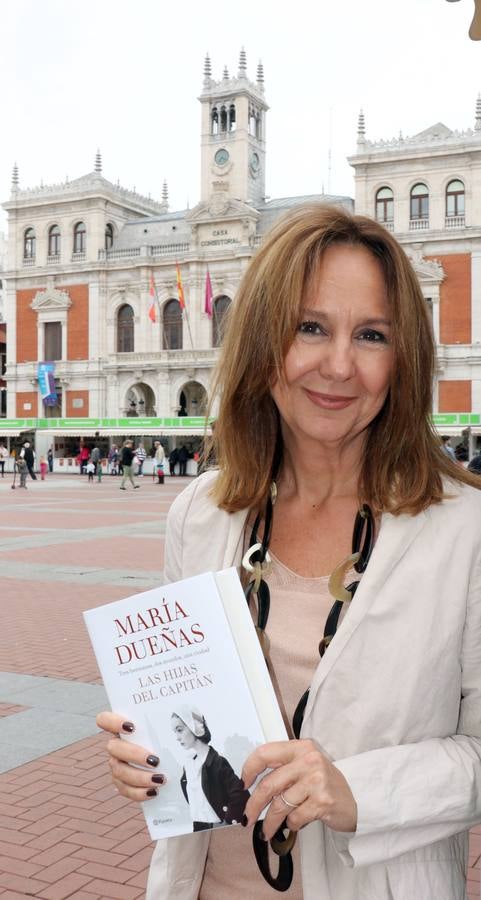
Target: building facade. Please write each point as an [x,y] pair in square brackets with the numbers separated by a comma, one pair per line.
[92,280]
[426,190]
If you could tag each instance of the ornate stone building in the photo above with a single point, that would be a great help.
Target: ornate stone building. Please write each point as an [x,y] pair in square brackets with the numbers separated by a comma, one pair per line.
[84,258]
[426,190]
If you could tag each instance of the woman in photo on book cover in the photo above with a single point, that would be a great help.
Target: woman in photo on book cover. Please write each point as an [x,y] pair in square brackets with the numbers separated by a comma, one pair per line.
[215,794]
[360,541]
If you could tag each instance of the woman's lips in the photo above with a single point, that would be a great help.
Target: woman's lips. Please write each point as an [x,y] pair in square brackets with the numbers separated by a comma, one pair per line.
[329,401]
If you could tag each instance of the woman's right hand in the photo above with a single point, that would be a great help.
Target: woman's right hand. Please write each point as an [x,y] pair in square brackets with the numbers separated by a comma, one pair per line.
[124,757]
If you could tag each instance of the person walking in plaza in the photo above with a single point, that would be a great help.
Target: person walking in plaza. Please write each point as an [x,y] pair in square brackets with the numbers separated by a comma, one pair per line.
[159,458]
[126,458]
[43,468]
[113,460]
[173,460]
[361,543]
[3,458]
[95,457]
[141,455]
[28,455]
[183,457]
[21,468]
[83,458]
[50,459]
[90,470]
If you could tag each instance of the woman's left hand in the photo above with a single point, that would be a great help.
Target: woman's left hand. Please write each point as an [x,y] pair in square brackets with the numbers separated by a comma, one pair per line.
[307,779]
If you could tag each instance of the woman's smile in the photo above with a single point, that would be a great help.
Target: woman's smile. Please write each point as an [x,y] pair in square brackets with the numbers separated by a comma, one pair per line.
[329,401]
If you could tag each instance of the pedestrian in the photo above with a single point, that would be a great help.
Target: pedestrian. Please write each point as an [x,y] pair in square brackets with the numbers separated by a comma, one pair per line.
[173,459]
[183,457]
[3,458]
[22,470]
[127,459]
[328,459]
[446,447]
[28,455]
[95,457]
[83,458]
[43,468]
[475,464]
[90,470]
[113,460]
[141,454]
[50,459]
[159,458]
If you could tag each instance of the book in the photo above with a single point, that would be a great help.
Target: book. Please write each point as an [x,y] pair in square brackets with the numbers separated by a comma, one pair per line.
[183,662]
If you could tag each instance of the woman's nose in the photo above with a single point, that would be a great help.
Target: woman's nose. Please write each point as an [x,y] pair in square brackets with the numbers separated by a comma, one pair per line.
[337,359]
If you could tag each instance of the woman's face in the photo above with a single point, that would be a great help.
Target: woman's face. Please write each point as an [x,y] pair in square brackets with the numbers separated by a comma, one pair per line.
[338,368]
[184,735]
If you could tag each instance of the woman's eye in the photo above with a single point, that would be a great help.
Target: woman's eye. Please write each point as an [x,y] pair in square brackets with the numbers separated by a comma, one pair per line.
[310,329]
[372,336]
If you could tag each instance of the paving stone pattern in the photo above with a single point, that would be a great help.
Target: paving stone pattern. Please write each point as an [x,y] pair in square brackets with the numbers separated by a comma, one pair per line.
[66,546]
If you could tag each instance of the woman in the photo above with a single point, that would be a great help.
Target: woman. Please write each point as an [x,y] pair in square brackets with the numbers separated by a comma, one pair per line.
[212,789]
[325,389]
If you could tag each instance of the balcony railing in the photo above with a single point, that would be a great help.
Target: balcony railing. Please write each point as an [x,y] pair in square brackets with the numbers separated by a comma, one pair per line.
[388,224]
[28,261]
[454,222]
[418,224]
[148,250]
[53,259]
[78,256]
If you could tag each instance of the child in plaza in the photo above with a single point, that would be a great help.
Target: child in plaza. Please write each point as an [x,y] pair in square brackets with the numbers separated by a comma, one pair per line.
[43,468]
[90,470]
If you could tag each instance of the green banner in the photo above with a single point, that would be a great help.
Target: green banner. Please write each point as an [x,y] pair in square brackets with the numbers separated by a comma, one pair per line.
[152,423]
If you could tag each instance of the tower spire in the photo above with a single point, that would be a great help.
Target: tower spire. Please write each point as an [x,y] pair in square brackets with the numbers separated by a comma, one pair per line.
[165,193]
[15,181]
[242,64]
[260,76]
[225,75]
[477,122]
[207,69]
[361,129]
[98,163]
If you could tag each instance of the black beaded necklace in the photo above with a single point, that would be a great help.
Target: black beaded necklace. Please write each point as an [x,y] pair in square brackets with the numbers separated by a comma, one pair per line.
[258,563]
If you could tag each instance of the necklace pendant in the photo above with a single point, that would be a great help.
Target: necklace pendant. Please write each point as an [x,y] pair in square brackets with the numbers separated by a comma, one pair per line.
[336,579]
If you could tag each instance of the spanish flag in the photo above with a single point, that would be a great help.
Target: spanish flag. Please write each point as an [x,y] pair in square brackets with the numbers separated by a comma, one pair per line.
[153,299]
[180,288]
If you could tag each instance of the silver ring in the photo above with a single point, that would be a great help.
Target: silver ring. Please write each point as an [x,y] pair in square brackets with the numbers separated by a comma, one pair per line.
[291,805]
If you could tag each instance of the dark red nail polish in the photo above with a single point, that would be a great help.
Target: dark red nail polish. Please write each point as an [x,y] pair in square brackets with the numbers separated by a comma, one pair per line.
[153,760]
[244,820]
[128,726]
[151,792]
[158,779]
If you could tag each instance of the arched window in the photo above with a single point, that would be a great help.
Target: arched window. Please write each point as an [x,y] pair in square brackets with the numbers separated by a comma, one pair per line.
[419,202]
[214,121]
[79,238]
[109,236]
[455,199]
[385,205]
[125,329]
[219,311]
[29,244]
[54,241]
[172,325]
[232,121]
[223,118]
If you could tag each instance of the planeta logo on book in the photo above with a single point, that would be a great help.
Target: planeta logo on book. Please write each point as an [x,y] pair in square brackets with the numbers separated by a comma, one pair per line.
[167,635]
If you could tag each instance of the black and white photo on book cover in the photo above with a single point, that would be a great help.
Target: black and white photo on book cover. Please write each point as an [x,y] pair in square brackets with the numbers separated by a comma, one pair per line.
[184,664]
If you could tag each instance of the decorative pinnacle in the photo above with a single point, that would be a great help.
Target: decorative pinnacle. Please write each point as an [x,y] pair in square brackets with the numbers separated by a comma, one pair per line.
[15,181]
[165,193]
[225,76]
[477,123]
[260,73]
[207,69]
[98,162]
[242,64]
[361,128]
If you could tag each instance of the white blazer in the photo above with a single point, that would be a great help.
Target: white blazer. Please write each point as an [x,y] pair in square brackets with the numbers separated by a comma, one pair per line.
[395,702]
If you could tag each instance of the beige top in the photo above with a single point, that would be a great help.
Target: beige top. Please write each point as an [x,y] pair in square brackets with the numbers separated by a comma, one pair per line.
[299,608]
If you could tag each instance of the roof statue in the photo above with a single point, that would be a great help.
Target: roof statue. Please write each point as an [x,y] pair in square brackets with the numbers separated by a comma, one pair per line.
[475,27]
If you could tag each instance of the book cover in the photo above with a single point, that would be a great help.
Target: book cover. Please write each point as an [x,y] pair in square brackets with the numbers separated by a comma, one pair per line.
[183,663]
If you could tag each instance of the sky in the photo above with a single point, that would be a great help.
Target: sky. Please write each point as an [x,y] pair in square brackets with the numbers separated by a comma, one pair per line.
[124,76]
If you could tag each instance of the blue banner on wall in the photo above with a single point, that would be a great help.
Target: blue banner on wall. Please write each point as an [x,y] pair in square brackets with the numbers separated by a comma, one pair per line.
[46,383]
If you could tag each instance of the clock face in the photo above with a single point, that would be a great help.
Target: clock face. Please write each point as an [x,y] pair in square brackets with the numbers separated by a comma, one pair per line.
[255,162]
[221,157]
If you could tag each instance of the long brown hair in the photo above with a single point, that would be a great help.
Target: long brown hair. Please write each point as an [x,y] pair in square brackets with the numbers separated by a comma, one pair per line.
[403,465]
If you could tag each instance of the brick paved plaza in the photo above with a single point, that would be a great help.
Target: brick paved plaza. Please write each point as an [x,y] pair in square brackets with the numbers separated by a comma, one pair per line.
[67,545]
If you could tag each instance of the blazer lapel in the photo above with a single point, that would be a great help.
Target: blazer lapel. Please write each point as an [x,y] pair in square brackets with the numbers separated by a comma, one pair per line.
[395,536]
[235,539]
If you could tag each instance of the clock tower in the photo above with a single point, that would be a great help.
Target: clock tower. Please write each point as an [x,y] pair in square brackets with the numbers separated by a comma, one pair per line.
[233,135]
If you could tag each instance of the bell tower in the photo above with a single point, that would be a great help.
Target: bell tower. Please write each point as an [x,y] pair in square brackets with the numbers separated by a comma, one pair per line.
[233,135]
